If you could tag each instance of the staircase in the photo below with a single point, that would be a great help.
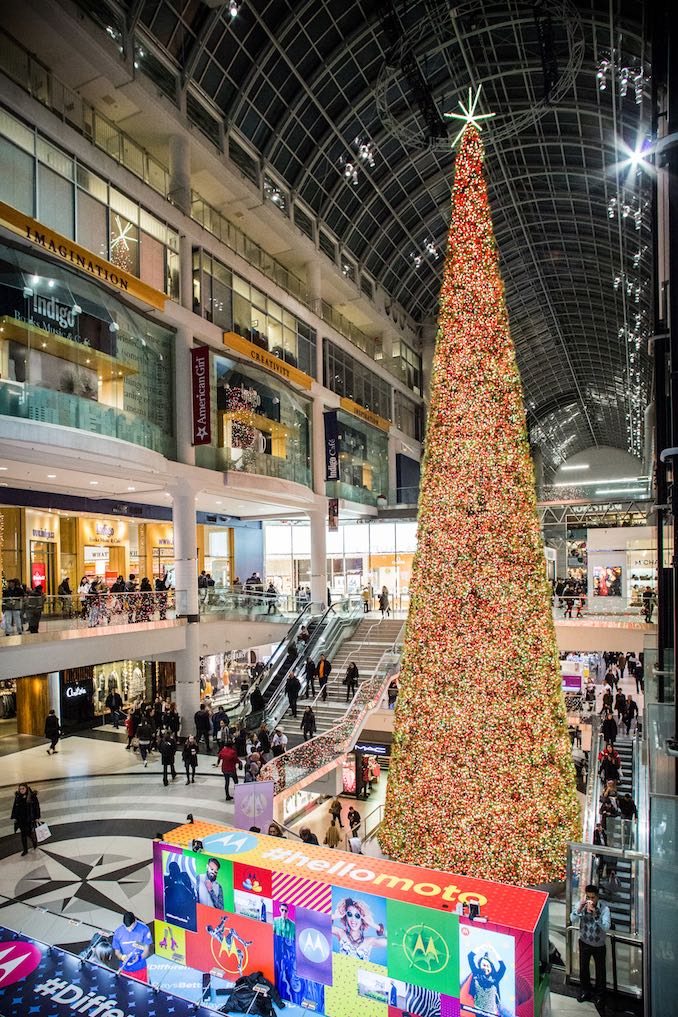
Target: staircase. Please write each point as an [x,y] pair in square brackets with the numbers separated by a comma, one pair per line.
[366,647]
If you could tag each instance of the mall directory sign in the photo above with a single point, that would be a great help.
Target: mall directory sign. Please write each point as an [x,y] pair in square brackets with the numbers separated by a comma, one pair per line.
[347,935]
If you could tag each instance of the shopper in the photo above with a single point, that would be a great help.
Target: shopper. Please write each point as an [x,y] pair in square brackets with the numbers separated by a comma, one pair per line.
[609,728]
[392,693]
[65,598]
[202,726]
[189,755]
[161,596]
[619,704]
[354,819]
[279,742]
[324,671]
[131,727]
[33,605]
[168,751]
[366,600]
[12,605]
[26,813]
[145,735]
[351,680]
[630,713]
[132,943]
[114,706]
[629,814]
[307,836]
[292,690]
[384,603]
[271,598]
[308,724]
[52,732]
[275,830]
[229,766]
[311,672]
[332,836]
[335,812]
[594,921]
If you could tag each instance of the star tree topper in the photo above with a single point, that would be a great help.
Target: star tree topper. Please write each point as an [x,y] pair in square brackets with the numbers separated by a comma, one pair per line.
[469,115]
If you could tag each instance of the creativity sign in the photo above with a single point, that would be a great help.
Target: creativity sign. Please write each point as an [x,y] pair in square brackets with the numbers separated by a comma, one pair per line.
[349,938]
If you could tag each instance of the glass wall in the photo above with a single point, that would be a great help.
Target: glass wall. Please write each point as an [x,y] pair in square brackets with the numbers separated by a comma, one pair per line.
[40,180]
[359,555]
[258,424]
[233,304]
[407,416]
[72,354]
[407,365]
[363,462]
[347,377]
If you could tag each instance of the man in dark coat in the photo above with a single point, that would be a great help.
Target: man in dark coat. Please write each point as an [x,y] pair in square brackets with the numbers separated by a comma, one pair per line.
[168,750]
[310,677]
[292,690]
[114,704]
[52,731]
[26,813]
[202,725]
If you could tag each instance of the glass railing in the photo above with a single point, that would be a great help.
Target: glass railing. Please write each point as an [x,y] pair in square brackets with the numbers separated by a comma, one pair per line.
[217,603]
[30,402]
[340,489]
[257,463]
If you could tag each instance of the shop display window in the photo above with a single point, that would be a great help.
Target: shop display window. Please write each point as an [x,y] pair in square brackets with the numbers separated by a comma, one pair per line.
[261,427]
[72,354]
[363,462]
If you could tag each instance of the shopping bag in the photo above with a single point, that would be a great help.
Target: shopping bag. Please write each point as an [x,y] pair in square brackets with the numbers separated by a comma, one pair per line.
[42,832]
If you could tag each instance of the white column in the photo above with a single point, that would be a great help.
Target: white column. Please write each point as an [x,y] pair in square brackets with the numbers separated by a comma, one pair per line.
[54,689]
[180,172]
[313,279]
[185,552]
[318,518]
[183,401]
[187,692]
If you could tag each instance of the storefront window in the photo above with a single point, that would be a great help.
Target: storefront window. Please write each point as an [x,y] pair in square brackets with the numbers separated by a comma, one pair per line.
[408,365]
[408,415]
[363,462]
[73,355]
[347,377]
[261,426]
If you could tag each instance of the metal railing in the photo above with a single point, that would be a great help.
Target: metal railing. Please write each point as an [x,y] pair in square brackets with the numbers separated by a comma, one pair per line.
[298,765]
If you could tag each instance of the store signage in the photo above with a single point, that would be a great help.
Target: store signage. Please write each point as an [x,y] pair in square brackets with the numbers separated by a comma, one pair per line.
[331,445]
[72,691]
[164,542]
[65,250]
[369,749]
[96,553]
[267,360]
[38,574]
[62,315]
[333,514]
[41,534]
[200,384]
[44,981]
[370,418]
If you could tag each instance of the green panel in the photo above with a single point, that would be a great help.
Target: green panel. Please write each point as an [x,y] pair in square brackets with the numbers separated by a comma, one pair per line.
[423,946]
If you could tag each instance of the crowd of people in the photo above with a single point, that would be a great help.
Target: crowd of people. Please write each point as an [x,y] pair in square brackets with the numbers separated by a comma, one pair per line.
[22,607]
[569,593]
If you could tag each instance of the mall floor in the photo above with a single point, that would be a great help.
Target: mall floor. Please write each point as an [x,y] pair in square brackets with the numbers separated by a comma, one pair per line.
[103,809]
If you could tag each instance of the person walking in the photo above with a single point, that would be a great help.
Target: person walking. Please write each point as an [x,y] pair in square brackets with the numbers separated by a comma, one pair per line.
[308,724]
[351,680]
[25,814]
[354,820]
[630,713]
[332,836]
[229,766]
[145,736]
[335,812]
[366,600]
[609,728]
[619,704]
[189,755]
[202,726]
[594,921]
[52,732]
[271,598]
[292,690]
[384,603]
[311,672]
[324,671]
[114,706]
[168,751]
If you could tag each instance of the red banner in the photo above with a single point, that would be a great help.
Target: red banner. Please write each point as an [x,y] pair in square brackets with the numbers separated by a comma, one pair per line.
[200,385]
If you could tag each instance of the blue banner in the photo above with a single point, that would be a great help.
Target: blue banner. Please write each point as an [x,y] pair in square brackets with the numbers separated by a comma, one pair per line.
[331,445]
[44,981]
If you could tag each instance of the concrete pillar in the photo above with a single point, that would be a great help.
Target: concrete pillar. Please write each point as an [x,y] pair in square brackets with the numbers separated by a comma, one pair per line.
[313,280]
[318,438]
[318,518]
[187,693]
[186,271]
[180,172]
[54,689]
[183,402]
[185,552]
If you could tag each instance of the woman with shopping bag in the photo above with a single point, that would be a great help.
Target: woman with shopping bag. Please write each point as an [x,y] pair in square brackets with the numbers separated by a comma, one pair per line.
[26,813]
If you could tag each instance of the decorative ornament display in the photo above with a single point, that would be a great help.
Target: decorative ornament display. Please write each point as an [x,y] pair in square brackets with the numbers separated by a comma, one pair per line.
[481,779]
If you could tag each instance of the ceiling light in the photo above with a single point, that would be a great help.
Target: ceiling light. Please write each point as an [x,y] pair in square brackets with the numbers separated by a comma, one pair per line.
[592,483]
[131,488]
[35,279]
[233,8]
[51,284]
[577,466]
[51,476]
[620,490]
[94,483]
[4,467]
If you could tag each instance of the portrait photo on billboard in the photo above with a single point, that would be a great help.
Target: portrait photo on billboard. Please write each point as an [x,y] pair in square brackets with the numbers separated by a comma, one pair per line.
[180,889]
[292,987]
[607,581]
[487,972]
[359,925]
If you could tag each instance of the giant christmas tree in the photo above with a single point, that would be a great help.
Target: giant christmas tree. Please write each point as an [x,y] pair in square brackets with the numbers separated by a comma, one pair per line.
[481,780]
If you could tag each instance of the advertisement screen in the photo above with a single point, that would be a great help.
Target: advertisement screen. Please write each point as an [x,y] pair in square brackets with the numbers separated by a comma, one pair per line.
[607,581]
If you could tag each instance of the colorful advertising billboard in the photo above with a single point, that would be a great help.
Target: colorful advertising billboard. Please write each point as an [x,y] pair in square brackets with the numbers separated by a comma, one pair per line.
[346,936]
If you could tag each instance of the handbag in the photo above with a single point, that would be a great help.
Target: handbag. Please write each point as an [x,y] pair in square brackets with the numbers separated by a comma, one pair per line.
[42,832]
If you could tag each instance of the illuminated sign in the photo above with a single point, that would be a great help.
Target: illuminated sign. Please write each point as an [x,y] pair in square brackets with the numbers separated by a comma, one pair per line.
[41,534]
[72,691]
[79,257]
[371,750]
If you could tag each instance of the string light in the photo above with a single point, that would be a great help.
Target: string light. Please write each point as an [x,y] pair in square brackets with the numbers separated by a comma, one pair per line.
[365,151]
[350,171]
[481,779]
[601,74]
[233,8]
